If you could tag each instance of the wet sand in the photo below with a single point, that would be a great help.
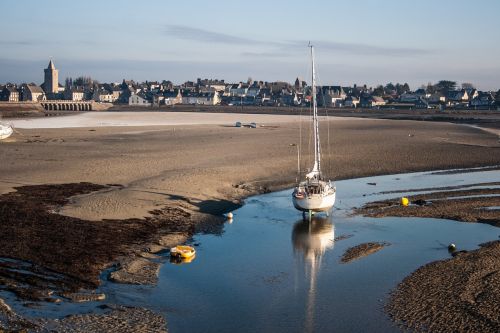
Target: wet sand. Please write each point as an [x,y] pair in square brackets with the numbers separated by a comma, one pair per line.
[362,250]
[461,294]
[66,254]
[458,203]
[112,319]
[203,170]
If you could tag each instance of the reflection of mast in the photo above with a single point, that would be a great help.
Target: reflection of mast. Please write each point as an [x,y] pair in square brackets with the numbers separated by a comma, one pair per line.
[313,239]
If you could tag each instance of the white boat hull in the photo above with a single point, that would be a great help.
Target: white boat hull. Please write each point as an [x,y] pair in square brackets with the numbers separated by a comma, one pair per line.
[314,202]
[5,131]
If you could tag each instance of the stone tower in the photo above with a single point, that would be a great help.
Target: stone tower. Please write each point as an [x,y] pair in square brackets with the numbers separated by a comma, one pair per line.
[51,82]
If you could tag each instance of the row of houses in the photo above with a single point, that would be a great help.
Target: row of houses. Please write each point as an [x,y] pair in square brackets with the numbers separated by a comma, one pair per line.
[337,96]
[217,92]
[174,97]
[26,92]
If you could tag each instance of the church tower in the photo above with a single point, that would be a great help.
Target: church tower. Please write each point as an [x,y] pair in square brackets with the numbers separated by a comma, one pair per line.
[51,82]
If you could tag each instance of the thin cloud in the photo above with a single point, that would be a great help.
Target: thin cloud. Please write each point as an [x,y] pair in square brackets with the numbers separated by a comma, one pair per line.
[264,54]
[362,49]
[202,35]
[17,42]
[284,48]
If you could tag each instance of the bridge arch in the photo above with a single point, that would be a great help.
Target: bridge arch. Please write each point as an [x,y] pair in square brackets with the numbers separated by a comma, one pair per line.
[67,105]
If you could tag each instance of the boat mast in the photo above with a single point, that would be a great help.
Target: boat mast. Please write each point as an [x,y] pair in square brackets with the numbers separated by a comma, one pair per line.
[317,154]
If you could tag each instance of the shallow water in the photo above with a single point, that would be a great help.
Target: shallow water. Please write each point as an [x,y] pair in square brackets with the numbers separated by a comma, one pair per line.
[271,271]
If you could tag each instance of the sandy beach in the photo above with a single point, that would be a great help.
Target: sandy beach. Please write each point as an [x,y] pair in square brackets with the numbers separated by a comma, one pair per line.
[210,163]
[201,165]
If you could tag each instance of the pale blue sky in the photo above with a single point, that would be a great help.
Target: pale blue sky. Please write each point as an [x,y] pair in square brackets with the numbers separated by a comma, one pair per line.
[363,41]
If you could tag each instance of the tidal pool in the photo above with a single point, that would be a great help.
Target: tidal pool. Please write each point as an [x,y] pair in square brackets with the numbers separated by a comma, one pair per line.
[271,271]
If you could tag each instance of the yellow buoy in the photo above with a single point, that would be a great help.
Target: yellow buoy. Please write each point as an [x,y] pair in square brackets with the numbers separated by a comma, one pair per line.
[229,216]
[404,201]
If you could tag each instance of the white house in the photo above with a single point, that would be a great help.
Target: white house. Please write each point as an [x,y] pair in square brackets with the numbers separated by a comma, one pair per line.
[239,90]
[105,96]
[139,99]
[172,97]
[190,98]
[351,102]
[32,93]
[208,98]
[74,94]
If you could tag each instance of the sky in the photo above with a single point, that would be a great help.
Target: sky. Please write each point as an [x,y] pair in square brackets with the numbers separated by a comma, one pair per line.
[356,42]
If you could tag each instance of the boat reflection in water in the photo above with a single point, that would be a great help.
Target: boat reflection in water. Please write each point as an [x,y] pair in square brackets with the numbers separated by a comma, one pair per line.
[311,239]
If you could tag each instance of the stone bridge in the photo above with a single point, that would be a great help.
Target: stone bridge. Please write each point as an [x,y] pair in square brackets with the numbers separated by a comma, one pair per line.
[67,105]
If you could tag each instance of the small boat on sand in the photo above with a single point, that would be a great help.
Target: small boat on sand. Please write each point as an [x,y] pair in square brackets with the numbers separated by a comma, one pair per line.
[6,130]
[182,251]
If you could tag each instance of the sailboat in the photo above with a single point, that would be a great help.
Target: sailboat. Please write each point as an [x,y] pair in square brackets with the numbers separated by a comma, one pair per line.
[6,130]
[314,194]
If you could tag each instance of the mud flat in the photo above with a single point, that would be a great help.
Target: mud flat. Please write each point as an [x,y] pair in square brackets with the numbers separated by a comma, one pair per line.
[362,250]
[461,294]
[112,319]
[466,205]
[45,255]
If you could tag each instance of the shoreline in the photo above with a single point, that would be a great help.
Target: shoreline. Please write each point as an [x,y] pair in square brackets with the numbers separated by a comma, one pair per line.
[463,204]
[460,293]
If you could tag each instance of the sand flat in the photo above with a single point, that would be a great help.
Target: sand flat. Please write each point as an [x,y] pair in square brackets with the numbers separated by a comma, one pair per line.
[114,119]
[192,165]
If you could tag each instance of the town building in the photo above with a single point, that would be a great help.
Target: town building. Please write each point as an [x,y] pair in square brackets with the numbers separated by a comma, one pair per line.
[331,96]
[172,97]
[372,101]
[10,94]
[74,94]
[51,82]
[483,100]
[209,98]
[32,93]
[351,102]
[140,99]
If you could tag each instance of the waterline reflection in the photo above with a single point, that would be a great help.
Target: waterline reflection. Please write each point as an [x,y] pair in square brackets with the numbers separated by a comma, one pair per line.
[311,239]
